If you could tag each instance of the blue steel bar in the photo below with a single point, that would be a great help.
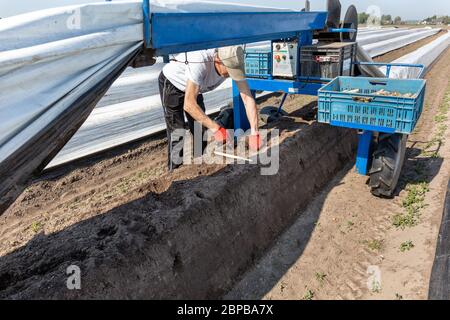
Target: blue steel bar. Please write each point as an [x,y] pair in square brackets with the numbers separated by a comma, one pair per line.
[361,127]
[283,100]
[182,32]
[147,22]
[239,114]
[341,30]
[287,86]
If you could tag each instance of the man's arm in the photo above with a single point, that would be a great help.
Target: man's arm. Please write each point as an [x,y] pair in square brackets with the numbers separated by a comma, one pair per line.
[250,105]
[191,106]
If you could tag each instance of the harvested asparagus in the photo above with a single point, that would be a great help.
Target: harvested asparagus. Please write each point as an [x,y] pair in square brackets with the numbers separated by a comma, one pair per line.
[383,92]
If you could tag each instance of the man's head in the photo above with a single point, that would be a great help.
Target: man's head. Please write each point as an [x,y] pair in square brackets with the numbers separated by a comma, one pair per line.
[230,61]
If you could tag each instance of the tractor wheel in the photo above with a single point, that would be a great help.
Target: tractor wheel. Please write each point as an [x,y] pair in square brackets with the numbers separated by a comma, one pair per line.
[387,163]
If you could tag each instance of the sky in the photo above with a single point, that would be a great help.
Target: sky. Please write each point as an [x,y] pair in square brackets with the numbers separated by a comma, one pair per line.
[407,9]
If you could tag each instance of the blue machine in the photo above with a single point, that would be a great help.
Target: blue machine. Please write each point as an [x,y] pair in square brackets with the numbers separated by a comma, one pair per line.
[218,29]
[213,30]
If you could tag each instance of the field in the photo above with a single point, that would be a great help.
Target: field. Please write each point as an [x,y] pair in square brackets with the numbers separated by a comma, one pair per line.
[313,231]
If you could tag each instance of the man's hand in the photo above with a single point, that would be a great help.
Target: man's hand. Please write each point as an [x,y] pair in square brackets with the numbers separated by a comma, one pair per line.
[255,142]
[222,136]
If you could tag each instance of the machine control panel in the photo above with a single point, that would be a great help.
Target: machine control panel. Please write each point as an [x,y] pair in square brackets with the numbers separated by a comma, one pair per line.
[285,56]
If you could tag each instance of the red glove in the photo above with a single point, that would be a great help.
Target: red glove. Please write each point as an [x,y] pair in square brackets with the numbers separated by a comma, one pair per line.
[255,142]
[221,135]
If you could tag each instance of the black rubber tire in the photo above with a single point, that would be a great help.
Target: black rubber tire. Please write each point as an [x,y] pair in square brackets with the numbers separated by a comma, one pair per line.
[225,118]
[387,163]
[351,22]
[270,114]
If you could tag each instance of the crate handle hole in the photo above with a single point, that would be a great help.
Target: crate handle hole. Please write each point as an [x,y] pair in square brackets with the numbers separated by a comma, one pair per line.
[362,99]
[378,83]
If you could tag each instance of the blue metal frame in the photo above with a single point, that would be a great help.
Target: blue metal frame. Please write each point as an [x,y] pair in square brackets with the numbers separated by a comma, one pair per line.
[169,33]
[283,100]
[241,123]
[212,30]
[287,86]
[300,85]
[166,33]
[147,22]
[363,153]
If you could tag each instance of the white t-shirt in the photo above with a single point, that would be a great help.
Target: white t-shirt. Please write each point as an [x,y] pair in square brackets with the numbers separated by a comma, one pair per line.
[199,70]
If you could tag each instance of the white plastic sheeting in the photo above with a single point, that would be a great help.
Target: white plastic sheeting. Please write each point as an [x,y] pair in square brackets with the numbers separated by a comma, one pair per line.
[115,124]
[54,67]
[425,56]
[364,39]
[381,47]
[374,29]
[48,60]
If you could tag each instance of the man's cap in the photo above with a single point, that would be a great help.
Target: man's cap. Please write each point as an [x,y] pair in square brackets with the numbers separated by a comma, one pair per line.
[233,58]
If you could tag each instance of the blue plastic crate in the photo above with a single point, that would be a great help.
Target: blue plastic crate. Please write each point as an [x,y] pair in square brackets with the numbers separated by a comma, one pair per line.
[367,111]
[258,63]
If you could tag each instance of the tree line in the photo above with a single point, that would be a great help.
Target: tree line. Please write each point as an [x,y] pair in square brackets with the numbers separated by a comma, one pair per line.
[363,18]
[387,19]
[438,20]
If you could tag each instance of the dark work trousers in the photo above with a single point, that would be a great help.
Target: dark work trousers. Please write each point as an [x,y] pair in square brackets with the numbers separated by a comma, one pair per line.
[172,100]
